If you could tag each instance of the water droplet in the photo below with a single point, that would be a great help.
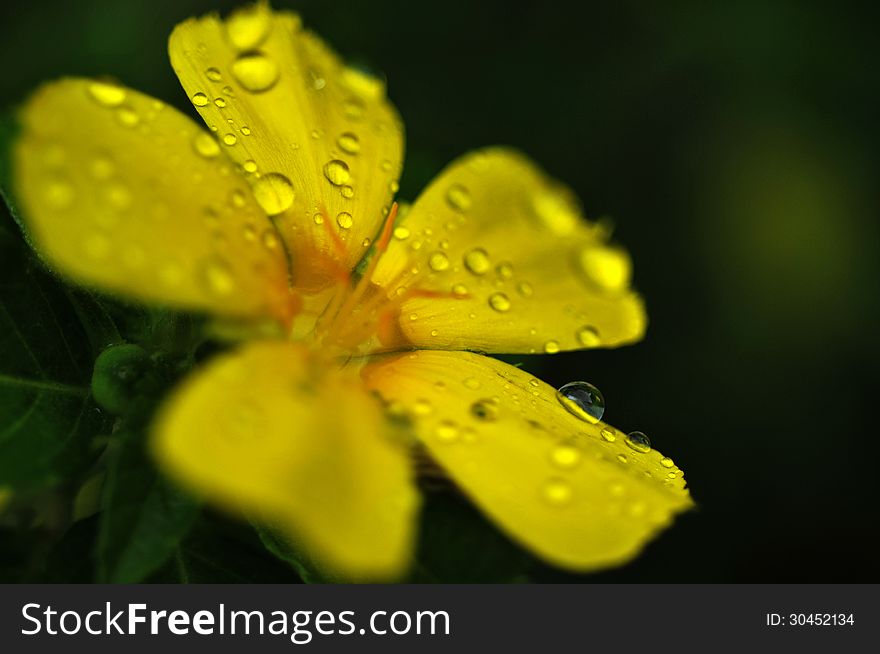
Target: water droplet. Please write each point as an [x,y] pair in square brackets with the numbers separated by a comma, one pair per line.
[447,431]
[622,458]
[422,407]
[218,277]
[582,400]
[394,187]
[206,145]
[102,168]
[363,83]
[565,456]
[97,245]
[606,268]
[247,27]
[118,196]
[459,198]
[230,139]
[672,474]
[608,434]
[200,99]
[127,116]
[59,193]
[666,462]
[344,220]
[274,192]
[401,233]
[349,142]
[346,191]
[220,102]
[638,441]
[270,240]
[477,261]
[500,302]
[504,270]
[551,347]
[318,82]
[588,336]
[472,383]
[249,166]
[337,172]
[318,218]
[255,72]
[247,130]
[213,74]
[353,108]
[107,94]
[556,209]
[438,261]
[485,409]
[459,290]
[238,199]
[557,492]
[366,242]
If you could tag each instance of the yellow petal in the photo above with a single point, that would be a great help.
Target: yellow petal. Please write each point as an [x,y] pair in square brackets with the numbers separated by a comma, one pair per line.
[127,194]
[320,142]
[495,257]
[573,492]
[270,430]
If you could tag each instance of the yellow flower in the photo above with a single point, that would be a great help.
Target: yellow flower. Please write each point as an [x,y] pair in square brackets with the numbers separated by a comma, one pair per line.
[361,324]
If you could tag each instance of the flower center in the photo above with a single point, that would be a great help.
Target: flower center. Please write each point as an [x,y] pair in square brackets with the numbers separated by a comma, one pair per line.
[355,314]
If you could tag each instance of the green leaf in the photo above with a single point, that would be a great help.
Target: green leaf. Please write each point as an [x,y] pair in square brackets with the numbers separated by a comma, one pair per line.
[221,550]
[285,550]
[457,544]
[144,517]
[47,416]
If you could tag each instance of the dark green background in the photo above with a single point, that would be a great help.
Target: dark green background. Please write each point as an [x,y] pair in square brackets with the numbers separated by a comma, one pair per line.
[735,145]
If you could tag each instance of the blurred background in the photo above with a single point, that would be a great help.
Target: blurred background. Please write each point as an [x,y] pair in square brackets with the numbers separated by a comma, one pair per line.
[735,147]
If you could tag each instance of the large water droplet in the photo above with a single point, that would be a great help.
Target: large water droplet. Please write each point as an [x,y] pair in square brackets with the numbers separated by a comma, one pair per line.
[565,456]
[218,277]
[344,220]
[458,197]
[248,26]
[349,142]
[363,83]
[557,492]
[447,431]
[606,268]
[638,441]
[107,93]
[582,400]
[500,302]
[255,72]
[200,99]
[438,261]
[556,209]
[485,409]
[666,462]
[588,336]
[477,261]
[274,193]
[206,145]
[337,172]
